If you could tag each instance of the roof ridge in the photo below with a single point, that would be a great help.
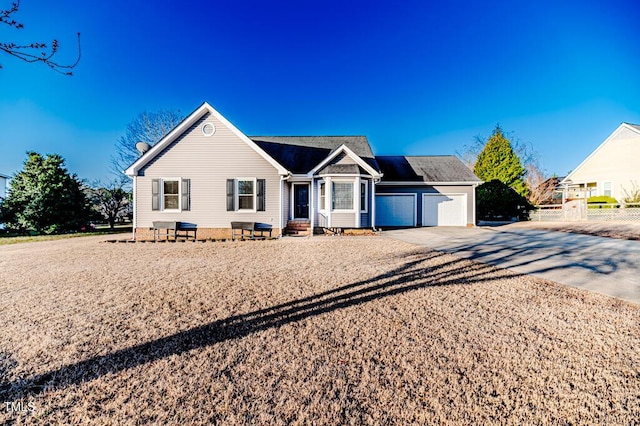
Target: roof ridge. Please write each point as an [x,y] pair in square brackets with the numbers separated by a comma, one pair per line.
[415,156]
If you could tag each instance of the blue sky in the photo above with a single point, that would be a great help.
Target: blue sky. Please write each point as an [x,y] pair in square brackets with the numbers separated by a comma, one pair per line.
[415,77]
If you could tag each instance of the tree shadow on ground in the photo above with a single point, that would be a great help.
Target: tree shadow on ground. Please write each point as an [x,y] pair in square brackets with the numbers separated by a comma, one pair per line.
[420,269]
[543,251]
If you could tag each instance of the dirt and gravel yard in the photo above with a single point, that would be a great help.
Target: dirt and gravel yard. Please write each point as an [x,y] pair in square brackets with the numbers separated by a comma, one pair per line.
[353,330]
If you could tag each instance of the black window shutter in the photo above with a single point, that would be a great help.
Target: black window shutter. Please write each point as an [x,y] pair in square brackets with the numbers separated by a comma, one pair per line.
[186,194]
[231,184]
[155,194]
[261,195]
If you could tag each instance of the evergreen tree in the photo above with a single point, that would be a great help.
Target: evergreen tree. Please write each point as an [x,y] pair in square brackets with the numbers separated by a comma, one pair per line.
[499,161]
[44,197]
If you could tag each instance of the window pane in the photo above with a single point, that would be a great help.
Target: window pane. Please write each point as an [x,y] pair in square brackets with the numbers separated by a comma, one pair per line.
[245,187]
[245,202]
[342,196]
[171,187]
[246,193]
[171,202]
[171,191]
[322,196]
[363,198]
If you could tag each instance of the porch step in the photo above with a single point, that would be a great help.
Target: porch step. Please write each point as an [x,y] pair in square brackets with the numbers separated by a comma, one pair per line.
[300,228]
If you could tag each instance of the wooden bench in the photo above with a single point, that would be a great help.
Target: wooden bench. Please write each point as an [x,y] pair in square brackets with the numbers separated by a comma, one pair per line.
[172,229]
[250,230]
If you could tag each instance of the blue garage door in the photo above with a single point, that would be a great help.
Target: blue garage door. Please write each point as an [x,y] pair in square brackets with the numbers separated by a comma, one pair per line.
[395,210]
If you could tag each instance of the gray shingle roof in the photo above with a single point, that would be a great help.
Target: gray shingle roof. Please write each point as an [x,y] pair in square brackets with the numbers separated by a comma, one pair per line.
[341,169]
[300,154]
[431,168]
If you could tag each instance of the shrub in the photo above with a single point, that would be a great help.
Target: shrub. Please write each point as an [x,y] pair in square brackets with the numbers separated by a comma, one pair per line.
[632,196]
[602,202]
[495,200]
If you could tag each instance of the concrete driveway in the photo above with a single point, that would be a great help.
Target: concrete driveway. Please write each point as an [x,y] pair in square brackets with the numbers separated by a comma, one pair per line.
[600,264]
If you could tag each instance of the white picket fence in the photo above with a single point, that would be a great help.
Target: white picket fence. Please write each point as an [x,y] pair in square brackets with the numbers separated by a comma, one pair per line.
[605,212]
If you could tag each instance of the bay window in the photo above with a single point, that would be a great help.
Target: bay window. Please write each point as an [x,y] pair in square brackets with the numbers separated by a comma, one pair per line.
[342,196]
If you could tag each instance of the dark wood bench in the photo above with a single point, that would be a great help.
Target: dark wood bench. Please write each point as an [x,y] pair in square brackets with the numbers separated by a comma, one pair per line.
[250,230]
[172,229]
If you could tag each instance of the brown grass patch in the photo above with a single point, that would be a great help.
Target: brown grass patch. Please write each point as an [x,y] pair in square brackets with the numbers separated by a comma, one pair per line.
[323,330]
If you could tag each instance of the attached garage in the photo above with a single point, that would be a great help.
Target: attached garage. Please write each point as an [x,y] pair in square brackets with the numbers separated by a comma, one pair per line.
[396,209]
[444,209]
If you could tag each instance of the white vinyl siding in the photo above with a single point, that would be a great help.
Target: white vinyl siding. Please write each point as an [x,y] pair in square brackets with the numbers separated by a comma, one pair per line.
[343,220]
[208,161]
[614,161]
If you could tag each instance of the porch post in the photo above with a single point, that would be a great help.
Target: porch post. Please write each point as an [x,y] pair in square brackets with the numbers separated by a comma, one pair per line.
[281,213]
[329,195]
[356,201]
[373,203]
[312,206]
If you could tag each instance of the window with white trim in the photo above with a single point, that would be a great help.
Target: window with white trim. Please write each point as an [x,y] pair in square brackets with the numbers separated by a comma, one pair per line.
[342,196]
[363,196]
[606,189]
[171,194]
[323,196]
[246,194]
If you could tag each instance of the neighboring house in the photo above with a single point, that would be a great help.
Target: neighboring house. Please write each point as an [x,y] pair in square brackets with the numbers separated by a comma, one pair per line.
[609,170]
[3,190]
[207,173]
[3,185]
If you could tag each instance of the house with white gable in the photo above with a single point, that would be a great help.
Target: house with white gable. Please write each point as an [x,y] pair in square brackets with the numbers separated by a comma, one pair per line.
[611,169]
[209,176]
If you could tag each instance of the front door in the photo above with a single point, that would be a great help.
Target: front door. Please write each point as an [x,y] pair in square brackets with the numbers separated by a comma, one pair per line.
[301,201]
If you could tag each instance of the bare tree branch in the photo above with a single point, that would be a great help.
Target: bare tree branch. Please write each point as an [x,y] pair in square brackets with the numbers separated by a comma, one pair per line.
[147,127]
[37,51]
[541,187]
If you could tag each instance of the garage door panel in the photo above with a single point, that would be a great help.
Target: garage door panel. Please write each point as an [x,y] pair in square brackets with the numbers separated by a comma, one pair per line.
[444,209]
[395,210]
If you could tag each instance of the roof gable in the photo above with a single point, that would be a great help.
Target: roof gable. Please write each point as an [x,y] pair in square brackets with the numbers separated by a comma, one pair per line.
[343,149]
[425,169]
[184,126]
[624,127]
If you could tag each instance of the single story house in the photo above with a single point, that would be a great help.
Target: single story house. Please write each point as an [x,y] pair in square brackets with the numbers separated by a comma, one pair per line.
[611,169]
[207,173]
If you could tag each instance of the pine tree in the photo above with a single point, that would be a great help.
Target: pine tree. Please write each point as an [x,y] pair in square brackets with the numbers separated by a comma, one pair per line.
[498,161]
[44,197]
